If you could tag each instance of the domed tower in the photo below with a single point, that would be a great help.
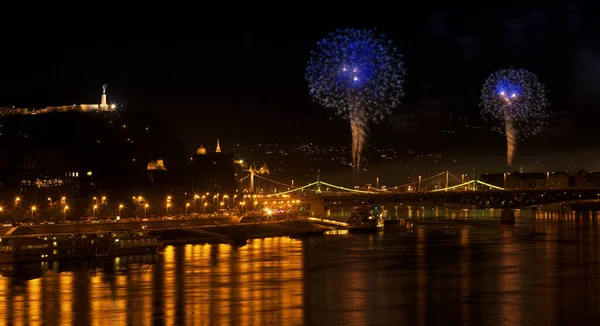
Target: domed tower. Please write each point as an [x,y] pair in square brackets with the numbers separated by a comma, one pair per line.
[201,150]
[214,171]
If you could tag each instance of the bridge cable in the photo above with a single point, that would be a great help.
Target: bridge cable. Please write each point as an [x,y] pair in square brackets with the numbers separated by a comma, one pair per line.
[348,189]
[292,190]
[273,181]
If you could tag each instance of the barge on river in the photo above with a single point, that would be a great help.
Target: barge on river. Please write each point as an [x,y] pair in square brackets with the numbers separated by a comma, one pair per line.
[65,246]
[365,220]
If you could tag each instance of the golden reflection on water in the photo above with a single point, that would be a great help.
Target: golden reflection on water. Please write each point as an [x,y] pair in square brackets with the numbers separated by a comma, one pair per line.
[421,277]
[541,272]
[260,283]
[510,277]
[169,287]
[465,277]
[5,309]
[65,297]
[34,302]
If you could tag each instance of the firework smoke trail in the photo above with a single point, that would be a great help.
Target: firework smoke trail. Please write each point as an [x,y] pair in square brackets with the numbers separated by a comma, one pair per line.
[511,141]
[360,75]
[358,125]
[516,101]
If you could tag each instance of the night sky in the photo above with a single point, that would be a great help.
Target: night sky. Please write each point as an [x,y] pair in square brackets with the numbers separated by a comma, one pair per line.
[239,75]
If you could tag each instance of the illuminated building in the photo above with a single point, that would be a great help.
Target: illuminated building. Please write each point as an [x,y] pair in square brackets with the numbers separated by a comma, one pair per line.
[103,106]
[201,150]
[535,180]
[43,172]
[156,165]
[157,173]
[213,171]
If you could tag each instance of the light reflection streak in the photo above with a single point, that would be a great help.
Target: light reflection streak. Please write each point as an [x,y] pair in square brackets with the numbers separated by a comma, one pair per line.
[510,271]
[465,275]
[147,294]
[4,307]
[50,290]
[66,298]
[224,271]
[169,287]
[421,277]
[120,304]
[34,290]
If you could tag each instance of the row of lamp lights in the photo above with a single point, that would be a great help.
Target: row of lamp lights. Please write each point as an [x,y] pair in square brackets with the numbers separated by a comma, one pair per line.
[168,204]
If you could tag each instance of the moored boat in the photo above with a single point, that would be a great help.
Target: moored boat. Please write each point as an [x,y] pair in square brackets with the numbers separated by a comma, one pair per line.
[61,246]
[365,220]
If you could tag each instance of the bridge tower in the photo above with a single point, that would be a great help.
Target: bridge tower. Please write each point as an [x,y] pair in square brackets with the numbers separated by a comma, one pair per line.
[446,180]
[252,171]
[319,182]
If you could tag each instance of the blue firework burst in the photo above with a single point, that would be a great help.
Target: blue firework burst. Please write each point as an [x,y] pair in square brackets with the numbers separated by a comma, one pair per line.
[356,69]
[515,96]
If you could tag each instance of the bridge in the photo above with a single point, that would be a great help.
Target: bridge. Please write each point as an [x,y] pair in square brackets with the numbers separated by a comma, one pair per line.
[443,181]
[428,191]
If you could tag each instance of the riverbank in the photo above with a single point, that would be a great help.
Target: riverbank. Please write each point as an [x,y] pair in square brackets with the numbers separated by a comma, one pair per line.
[183,231]
[119,226]
[585,206]
[239,233]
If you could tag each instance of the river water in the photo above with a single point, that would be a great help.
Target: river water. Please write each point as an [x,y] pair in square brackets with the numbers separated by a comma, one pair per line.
[469,270]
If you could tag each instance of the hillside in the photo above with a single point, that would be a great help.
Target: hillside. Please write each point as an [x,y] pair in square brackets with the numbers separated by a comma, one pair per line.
[115,146]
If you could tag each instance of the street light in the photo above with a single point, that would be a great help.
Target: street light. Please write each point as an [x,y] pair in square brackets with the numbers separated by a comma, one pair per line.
[167,208]
[146,208]
[94,208]
[205,204]
[121,208]
[103,200]
[187,206]
[17,200]
[33,209]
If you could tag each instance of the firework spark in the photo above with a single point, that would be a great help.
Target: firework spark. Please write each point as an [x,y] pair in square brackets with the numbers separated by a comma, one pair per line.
[360,75]
[516,101]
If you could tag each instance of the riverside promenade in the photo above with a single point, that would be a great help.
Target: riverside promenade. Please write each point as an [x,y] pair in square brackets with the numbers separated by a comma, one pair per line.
[181,231]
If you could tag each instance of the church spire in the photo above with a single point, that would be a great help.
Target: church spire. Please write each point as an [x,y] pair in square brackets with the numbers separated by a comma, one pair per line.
[218,150]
